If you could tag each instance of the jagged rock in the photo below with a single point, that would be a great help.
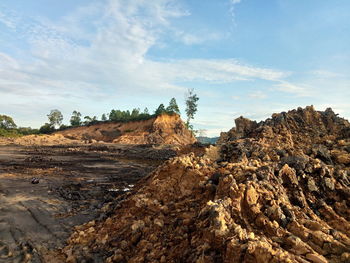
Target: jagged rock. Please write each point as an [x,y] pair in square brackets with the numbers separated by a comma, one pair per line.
[311,185]
[278,193]
[322,153]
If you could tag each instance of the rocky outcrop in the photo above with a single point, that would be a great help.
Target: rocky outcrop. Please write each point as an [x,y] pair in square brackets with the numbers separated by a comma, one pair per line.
[280,192]
[163,129]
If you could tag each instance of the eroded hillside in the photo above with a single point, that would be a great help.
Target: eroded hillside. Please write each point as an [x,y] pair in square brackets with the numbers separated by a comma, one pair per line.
[163,129]
[278,193]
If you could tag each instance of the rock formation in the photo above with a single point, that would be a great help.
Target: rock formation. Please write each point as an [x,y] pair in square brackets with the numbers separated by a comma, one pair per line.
[279,192]
[163,129]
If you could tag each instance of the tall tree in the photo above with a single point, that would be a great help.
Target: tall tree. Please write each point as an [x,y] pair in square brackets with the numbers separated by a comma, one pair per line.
[6,122]
[173,107]
[160,110]
[46,128]
[75,120]
[145,111]
[191,100]
[55,118]
[104,117]
[88,120]
[135,113]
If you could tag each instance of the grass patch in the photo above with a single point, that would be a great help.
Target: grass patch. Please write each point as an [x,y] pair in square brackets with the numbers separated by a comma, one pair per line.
[9,133]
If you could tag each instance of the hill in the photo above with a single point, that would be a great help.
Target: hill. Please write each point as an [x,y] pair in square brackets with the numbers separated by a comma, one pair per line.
[207,140]
[162,129]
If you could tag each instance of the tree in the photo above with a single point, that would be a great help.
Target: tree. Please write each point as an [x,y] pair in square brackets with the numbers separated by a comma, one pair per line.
[75,120]
[46,128]
[88,120]
[104,117]
[135,113]
[63,127]
[160,110]
[6,122]
[55,118]
[94,120]
[173,107]
[145,111]
[191,100]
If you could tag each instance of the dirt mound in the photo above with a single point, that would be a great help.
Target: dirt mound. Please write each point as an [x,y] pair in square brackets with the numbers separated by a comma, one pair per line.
[280,192]
[55,139]
[163,129]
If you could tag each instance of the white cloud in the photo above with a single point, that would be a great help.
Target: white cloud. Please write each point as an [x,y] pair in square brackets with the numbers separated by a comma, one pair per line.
[104,57]
[7,62]
[112,57]
[325,74]
[8,20]
[258,95]
[217,70]
[232,4]
[300,90]
[196,38]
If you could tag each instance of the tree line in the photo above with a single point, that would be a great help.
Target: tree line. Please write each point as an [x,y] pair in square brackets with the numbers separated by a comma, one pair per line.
[55,117]
[8,128]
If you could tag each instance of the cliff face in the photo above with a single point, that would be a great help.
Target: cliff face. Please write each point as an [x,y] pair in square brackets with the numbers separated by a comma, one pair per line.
[279,192]
[163,129]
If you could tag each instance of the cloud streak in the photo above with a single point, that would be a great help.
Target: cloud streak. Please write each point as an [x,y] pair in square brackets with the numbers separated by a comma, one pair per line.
[101,52]
[112,55]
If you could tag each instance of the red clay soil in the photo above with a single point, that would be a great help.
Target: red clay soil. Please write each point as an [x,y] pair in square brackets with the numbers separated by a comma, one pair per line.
[163,129]
[280,192]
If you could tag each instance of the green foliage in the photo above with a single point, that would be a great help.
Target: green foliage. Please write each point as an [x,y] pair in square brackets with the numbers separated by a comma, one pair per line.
[63,127]
[55,118]
[6,122]
[9,133]
[160,110]
[90,120]
[118,115]
[8,128]
[46,128]
[191,107]
[135,113]
[173,107]
[75,120]
[27,131]
[125,116]
[94,120]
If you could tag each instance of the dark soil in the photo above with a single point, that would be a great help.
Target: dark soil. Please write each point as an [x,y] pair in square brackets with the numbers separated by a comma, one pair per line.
[76,185]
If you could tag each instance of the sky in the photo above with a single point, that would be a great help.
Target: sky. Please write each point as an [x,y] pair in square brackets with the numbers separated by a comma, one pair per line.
[241,57]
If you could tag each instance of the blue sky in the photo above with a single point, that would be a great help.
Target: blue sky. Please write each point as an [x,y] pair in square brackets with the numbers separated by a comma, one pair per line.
[242,57]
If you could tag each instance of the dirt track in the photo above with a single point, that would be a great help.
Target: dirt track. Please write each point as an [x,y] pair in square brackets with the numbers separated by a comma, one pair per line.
[75,184]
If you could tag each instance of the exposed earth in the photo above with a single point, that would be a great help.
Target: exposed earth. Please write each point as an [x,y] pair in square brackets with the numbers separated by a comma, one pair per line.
[162,129]
[279,191]
[273,191]
[76,184]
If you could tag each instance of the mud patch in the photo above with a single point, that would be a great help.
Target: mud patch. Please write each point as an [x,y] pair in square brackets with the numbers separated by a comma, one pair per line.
[76,185]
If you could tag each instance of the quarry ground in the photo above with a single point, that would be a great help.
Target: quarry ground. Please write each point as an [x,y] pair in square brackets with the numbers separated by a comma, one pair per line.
[76,184]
